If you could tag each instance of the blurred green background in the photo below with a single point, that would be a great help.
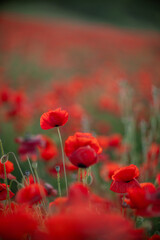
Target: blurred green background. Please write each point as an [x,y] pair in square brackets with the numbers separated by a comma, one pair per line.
[124,13]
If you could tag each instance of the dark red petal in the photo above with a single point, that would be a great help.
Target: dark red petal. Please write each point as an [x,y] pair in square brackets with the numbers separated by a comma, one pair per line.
[123,187]
[83,157]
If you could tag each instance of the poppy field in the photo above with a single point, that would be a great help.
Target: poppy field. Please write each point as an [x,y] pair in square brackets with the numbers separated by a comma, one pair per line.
[79,130]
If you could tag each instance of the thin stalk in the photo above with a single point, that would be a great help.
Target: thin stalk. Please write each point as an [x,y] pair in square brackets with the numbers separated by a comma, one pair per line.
[31,169]
[6,182]
[59,184]
[83,176]
[18,166]
[5,174]
[65,176]
[14,180]
[42,195]
[79,175]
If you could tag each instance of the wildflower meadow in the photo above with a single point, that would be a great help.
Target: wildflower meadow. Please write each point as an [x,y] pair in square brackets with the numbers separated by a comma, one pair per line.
[79,130]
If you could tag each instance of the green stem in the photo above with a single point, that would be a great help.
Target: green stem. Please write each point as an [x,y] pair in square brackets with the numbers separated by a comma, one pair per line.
[1,145]
[18,166]
[6,182]
[83,176]
[5,174]
[14,180]
[59,184]
[65,176]
[42,195]
[79,175]
[31,169]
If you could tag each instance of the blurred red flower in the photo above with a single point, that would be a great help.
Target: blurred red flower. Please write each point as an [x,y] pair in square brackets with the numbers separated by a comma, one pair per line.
[145,200]
[158,179]
[124,178]
[3,192]
[139,196]
[49,150]
[107,170]
[103,141]
[18,224]
[155,237]
[9,168]
[59,203]
[115,140]
[80,222]
[82,149]
[29,146]
[78,193]
[53,119]
[31,194]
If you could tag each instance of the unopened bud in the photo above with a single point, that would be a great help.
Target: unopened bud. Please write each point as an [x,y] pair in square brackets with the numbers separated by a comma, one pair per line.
[57,168]
[4,158]
[27,173]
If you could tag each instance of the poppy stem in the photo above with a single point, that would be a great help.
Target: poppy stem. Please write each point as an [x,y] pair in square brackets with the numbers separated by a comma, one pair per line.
[65,176]
[58,180]
[38,181]
[79,175]
[89,176]
[31,169]
[18,183]
[18,166]
[83,176]
[5,174]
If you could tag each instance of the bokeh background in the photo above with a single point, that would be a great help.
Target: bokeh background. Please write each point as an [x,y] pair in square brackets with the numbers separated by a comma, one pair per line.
[126,13]
[81,56]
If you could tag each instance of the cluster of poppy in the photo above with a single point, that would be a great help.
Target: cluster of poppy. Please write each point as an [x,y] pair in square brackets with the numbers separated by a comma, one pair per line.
[81,214]
[109,193]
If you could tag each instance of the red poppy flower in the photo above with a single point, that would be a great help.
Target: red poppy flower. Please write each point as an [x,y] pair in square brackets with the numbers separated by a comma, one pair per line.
[155,237]
[100,203]
[80,223]
[115,140]
[59,203]
[3,192]
[5,94]
[83,157]
[108,169]
[29,146]
[31,194]
[9,168]
[153,209]
[49,150]
[82,149]
[53,119]
[78,193]
[158,179]
[153,151]
[139,196]
[70,167]
[29,180]
[18,224]
[124,178]
[103,141]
